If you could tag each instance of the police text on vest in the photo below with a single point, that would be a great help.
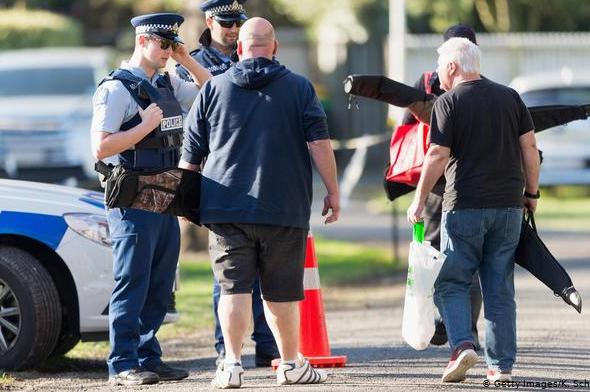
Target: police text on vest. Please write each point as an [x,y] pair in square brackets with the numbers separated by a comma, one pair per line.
[170,123]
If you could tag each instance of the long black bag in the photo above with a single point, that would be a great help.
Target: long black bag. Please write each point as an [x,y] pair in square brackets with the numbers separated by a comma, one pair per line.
[420,103]
[533,255]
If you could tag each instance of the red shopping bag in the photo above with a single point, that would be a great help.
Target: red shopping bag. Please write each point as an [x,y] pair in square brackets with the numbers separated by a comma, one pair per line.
[407,149]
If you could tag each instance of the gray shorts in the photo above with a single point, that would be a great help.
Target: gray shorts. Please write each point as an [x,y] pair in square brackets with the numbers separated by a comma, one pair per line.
[240,252]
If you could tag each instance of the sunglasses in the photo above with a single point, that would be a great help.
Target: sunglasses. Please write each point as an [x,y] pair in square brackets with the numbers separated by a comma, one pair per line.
[165,43]
[228,24]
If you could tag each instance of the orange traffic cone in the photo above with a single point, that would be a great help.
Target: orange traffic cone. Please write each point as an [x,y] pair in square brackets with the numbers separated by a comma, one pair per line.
[313,336]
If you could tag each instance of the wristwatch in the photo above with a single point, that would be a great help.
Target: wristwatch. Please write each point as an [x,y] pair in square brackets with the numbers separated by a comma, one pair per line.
[532,195]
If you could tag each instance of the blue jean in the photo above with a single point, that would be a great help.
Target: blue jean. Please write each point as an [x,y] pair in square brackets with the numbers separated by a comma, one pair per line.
[262,335]
[484,240]
[145,256]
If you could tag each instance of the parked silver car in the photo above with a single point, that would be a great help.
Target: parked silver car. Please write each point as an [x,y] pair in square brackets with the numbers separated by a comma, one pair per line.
[566,149]
[46,110]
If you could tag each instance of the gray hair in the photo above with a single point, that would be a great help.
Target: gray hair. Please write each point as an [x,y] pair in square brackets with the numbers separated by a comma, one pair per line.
[464,53]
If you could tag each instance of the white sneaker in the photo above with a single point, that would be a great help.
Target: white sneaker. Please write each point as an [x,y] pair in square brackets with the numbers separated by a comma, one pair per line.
[228,376]
[304,374]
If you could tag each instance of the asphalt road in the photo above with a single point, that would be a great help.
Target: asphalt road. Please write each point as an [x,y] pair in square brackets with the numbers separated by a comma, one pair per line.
[364,323]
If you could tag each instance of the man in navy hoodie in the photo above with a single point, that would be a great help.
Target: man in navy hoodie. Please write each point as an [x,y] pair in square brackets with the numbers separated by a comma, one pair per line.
[224,19]
[260,125]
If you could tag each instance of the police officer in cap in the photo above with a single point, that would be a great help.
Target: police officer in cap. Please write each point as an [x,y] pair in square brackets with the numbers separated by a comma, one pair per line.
[218,44]
[137,122]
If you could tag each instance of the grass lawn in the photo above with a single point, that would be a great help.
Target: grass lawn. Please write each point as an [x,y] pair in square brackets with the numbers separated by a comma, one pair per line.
[572,213]
[340,263]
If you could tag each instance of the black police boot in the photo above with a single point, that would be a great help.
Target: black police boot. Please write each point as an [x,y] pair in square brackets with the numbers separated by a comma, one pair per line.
[167,372]
[440,334]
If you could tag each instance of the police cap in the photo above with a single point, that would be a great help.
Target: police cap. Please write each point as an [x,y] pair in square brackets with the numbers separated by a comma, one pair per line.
[164,25]
[227,10]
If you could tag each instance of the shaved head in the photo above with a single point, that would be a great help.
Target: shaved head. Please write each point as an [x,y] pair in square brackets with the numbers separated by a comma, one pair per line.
[257,39]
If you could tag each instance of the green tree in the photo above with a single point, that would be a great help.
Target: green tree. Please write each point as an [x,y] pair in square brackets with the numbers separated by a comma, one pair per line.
[503,15]
[50,29]
[348,20]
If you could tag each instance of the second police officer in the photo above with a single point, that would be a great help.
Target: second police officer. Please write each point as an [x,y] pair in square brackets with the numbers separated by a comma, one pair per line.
[218,42]
[137,122]
[217,53]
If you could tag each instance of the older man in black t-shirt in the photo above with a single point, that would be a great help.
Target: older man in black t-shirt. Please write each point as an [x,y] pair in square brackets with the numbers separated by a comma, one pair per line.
[481,137]
[433,205]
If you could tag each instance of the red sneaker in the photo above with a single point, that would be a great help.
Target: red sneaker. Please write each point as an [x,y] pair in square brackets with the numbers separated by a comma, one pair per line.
[463,358]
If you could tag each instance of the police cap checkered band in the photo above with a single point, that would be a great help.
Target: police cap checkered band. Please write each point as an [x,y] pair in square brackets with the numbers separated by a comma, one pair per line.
[221,7]
[156,28]
[157,23]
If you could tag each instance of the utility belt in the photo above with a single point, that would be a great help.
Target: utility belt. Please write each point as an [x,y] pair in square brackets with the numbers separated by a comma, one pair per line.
[169,191]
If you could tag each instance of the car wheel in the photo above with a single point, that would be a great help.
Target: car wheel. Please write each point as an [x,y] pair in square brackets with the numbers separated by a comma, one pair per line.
[30,311]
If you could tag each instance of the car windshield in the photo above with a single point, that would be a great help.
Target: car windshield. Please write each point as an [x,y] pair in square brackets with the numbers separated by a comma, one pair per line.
[46,81]
[557,96]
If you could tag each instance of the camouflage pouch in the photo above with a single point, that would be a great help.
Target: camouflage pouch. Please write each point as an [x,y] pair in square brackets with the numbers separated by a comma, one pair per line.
[155,191]
[172,191]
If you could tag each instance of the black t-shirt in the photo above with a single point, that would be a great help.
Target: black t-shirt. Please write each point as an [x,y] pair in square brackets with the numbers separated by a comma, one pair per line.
[481,122]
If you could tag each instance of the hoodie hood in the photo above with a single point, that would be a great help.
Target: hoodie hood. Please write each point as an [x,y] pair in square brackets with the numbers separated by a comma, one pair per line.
[256,73]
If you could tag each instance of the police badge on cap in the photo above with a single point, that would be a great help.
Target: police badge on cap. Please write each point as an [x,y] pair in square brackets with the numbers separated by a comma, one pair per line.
[164,25]
[224,9]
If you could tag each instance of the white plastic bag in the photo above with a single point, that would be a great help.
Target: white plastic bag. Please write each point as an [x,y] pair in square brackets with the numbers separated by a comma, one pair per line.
[424,264]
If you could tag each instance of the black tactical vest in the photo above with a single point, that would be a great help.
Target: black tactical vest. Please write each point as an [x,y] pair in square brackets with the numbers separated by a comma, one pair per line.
[160,149]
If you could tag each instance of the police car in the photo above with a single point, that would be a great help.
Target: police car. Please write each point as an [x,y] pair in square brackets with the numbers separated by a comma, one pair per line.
[55,271]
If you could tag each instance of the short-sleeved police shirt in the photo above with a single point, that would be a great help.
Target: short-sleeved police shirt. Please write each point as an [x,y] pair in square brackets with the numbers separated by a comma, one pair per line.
[481,122]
